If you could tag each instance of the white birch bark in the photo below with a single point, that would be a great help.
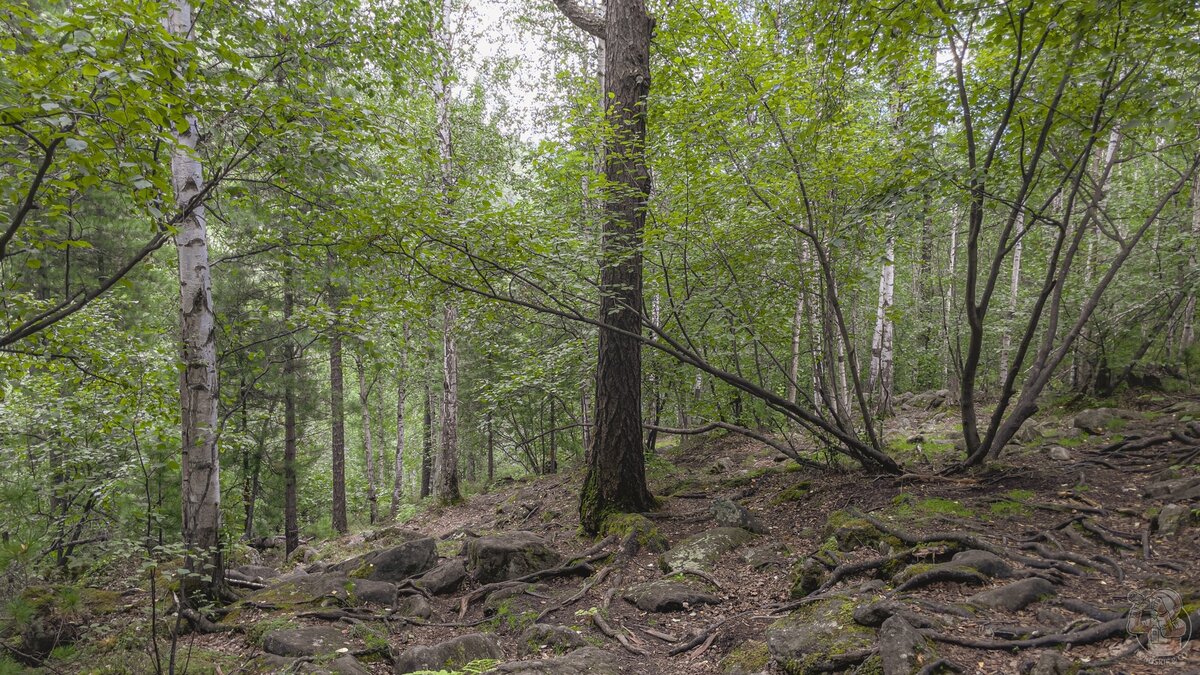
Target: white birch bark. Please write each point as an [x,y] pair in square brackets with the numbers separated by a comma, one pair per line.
[200,466]
[445,480]
[879,381]
[1014,288]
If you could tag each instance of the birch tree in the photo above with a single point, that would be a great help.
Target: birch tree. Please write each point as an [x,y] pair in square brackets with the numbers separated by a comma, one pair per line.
[198,391]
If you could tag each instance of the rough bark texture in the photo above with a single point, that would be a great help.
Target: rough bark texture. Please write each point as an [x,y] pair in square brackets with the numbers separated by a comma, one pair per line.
[1014,288]
[398,481]
[291,520]
[1188,320]
[616,479]
[445,485]
[200,465]
[337,424]
[879,384]
[427,438]
[364,400]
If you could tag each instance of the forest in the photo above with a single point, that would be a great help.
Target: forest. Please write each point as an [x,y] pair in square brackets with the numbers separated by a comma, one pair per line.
[575,337]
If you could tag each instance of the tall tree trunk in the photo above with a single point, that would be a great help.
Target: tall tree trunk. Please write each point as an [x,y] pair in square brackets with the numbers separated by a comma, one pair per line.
[427,437]
[1014,288]
[491,449]
[794,366]
[398,478]
[949,320]
[198,392]
[445,487]
[616,474]
[337,417]
[364,400]
[879,382]
[1188,321]
[291,517]
[552,465]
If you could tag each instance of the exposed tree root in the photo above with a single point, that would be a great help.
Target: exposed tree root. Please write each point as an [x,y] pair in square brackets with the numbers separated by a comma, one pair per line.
[1092,635]
[845,570]
[952,575]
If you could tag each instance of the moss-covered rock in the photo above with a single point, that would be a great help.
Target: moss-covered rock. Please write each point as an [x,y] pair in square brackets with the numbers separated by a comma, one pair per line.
[748,658]
[806,577]
[819,637]
[449,655]
[645,533]
[796,493]
[849,531]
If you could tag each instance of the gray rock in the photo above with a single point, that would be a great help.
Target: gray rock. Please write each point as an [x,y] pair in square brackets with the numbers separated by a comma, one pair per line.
[1015,596]
[509,556]
[1029,432]
[874,614]
[585,661]
[980,565]
[308,641]
[724,465]
[666,595]
[728,513]
[415,555]
[312,589]
[1058,453]
[818,637]
[376,592]
[761,557]
[414,607]
[927,400]
[1100,420]
[701,551]
[558,639]
[1171,519]
[449,655]
[899,646]
[445,578]
[1179,489]
[1185,409]
[257,573]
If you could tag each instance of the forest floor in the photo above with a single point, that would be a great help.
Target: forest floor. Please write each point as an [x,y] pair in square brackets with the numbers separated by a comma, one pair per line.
[1079,520]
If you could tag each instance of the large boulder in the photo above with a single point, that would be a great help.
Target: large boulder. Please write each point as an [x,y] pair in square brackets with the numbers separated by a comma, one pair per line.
[585,661]
[510,555]
[1172,518]
[307,641]
[448,655]
[413,556]
[819,637]
[701,551]
[445,578]
[849,531]
[666,595]
[319,589]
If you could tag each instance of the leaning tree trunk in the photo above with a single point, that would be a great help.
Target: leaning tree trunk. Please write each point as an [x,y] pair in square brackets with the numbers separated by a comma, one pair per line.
[364,400]
[198,393]
[616,473]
